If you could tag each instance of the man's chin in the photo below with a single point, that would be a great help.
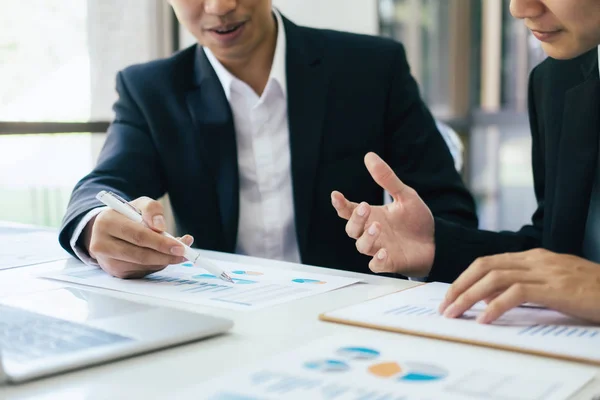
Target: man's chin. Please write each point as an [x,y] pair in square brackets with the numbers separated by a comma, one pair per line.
[564,51]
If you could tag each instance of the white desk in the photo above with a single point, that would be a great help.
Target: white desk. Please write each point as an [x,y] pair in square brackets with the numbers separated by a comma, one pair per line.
[256,335]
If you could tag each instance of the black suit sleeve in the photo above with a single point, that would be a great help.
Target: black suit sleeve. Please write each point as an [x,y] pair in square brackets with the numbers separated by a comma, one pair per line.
[457,246]
[128,164]
[417,152]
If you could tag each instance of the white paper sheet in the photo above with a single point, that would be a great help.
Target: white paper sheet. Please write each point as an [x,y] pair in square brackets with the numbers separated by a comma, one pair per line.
[255,287]
[376,366]
[20,247]
[527,328]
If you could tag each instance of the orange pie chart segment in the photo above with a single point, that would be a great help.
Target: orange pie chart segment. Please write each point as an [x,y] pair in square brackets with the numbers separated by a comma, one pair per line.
[385,370]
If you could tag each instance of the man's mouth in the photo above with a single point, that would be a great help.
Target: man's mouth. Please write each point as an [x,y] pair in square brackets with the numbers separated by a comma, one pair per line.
[229,28]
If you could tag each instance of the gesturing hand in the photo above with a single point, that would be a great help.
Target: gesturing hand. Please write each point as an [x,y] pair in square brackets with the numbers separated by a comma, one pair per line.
[128,249]
[565,283]
[399,236]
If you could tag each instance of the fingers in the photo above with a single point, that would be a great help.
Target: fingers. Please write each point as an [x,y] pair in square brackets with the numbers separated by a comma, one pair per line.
[492,283]
[343,207]
[474,273]
[366,243]
[113,224]
[513,297]
[152,212]
[380,262]
[187,239]
[356,224]
[121,250]
[384,175]
[125,270]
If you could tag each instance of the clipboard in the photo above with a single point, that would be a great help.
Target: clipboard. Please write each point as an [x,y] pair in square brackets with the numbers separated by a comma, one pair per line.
[452,338]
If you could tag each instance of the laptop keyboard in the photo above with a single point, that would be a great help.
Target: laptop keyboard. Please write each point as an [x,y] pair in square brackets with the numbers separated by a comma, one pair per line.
[26,336]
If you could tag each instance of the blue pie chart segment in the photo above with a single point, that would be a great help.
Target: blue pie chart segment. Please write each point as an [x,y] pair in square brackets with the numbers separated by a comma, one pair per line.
[358,353]
[419,372]
[327,365]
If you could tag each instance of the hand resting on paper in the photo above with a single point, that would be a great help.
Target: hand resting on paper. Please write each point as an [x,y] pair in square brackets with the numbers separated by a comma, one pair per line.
[128,249]
[565,283]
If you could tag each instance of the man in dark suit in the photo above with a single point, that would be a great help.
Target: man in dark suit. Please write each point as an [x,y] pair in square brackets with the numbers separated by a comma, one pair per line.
[564,112]
[248,135]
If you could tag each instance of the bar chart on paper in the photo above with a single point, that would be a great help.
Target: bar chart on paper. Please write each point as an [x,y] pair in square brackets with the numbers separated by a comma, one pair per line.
[253,288]
[534,330]
[371,366]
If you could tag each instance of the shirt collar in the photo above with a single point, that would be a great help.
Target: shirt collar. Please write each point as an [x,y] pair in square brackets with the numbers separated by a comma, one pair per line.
[277,74]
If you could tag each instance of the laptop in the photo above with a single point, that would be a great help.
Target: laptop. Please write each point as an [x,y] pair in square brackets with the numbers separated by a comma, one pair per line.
[53,331]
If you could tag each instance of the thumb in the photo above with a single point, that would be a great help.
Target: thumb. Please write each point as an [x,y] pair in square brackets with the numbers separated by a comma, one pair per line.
[152,213]
[384,175]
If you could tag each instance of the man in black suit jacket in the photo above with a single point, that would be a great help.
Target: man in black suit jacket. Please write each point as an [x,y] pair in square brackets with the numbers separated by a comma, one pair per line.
[564,112]
[180,129]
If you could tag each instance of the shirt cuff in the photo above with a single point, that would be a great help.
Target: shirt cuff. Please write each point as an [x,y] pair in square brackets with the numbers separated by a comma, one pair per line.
[81,253]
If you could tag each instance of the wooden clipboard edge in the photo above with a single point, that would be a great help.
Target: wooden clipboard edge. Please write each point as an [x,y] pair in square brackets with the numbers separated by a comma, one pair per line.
[326,318]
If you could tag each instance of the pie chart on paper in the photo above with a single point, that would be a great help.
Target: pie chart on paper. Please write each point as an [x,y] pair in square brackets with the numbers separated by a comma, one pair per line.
[409,372]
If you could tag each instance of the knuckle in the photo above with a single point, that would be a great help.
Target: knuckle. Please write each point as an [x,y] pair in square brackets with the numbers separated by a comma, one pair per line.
[536,253]
[519,291]
[153,207]
[412,193]
[350,230]
[465,299]
[375,266]
[361,244]
[138,237]
[481,264]
[103,216]
[452,292]
[141,201]
[497,277]
[96,247]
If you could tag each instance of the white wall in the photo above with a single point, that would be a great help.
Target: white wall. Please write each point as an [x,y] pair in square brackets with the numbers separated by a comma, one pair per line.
[346,15]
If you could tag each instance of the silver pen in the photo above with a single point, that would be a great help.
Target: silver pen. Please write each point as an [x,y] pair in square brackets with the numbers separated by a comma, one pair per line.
[123,207]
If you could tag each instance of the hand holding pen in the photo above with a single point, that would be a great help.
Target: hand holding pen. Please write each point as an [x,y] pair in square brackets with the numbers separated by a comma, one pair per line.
[128,239]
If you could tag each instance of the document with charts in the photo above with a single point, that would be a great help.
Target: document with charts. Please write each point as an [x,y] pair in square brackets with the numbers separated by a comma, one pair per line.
[255,287]
[21,247]
[533,330]
[379,366]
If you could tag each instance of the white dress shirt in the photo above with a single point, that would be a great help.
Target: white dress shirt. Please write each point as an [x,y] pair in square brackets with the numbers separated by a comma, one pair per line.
[266,206]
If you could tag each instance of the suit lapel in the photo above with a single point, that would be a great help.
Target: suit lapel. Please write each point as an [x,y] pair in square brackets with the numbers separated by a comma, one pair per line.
[210,111]
[577,161]
[307,93]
